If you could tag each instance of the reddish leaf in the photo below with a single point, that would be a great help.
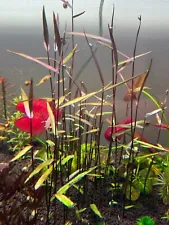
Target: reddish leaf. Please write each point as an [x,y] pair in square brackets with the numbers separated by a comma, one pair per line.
[162,126]
[138,83]
[139,137]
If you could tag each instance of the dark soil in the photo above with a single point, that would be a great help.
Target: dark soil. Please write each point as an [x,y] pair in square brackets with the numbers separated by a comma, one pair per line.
[16,207]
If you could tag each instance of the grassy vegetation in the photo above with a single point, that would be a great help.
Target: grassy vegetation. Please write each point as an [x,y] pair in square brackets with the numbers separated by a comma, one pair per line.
[61,135]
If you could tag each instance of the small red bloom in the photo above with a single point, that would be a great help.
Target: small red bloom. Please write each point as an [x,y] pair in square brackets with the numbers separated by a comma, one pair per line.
[109,132]
[40,115]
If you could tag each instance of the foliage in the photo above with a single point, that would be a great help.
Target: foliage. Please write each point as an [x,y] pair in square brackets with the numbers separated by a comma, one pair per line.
[68,127]
[145,220]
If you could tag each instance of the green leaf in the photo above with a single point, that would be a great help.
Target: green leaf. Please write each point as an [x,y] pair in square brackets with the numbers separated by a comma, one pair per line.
[95,210]
[68,223]
[65,160]
[43,178]
[65,200]
[91,131]
[64,188]
[39,168]
[22,152]
[129,206]
[44,79]
[69,55]
[78,99]
[50,143]
[80,119]
[134,195]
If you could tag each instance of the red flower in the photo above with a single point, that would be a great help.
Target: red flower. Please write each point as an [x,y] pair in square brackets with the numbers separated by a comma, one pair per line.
[39,117]
[109,132]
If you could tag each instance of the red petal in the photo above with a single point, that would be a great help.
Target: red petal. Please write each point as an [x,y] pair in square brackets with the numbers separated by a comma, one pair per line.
[127,120]
[38,104]
[37,125]
[108,134]
[20,107]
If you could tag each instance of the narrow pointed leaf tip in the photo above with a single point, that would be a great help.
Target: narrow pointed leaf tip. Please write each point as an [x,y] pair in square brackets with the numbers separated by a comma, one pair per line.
[45,29]
[65,200]
[56,70]
[57,34]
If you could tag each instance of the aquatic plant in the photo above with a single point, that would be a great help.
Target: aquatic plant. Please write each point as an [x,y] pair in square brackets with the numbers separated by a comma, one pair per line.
[70,157]
[145,220]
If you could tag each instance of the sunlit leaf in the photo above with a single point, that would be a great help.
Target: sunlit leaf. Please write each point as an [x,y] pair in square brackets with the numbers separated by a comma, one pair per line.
[65,200]
[132,193]
[2,128]
[26,104]
[44,79]
[65,187]
[44,177]
[158,118]
[66,159]
[148,145]
[129,206]
[52,119]
[72,139]
[95,210]
[60,100]
[68,57]
[50,143]
[91,131]
[82,120]
[2,138]
[39,168]
[78,99]
[68,223]
[95,103]
[22,153]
